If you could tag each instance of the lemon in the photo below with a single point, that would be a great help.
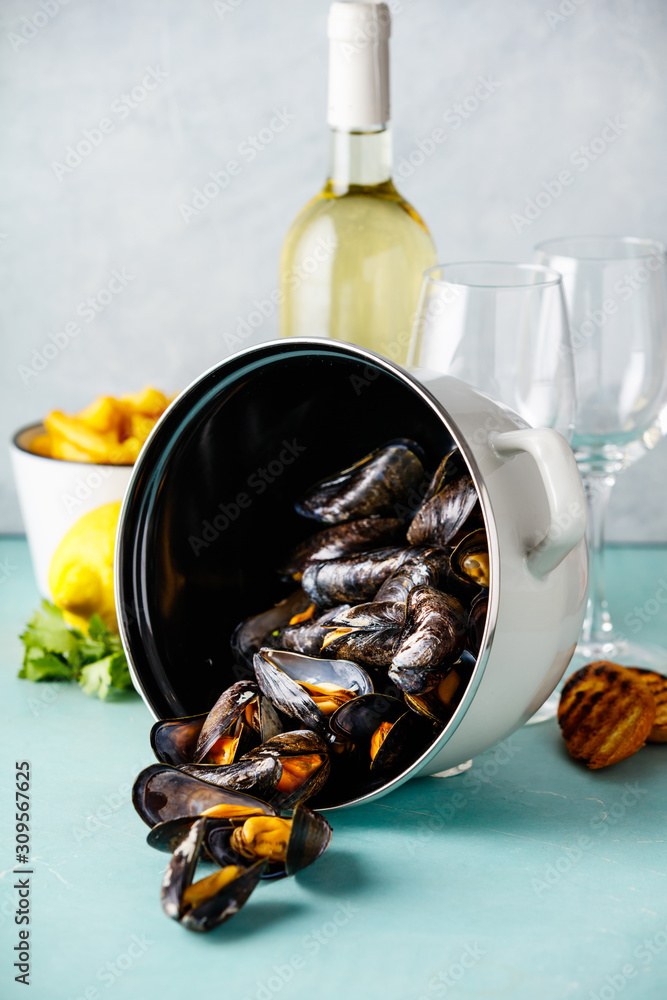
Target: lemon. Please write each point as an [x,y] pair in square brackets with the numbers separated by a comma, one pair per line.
[81,571]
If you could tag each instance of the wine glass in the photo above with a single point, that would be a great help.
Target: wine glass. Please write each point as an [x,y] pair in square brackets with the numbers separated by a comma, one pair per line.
[502,328]
[615,292]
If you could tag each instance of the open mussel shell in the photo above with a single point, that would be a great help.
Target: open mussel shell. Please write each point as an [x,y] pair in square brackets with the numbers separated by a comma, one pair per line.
[173,741]
[181,869]
[215,902]
[318,670]
[440,702]
[344,539]
[470,558]
[304,744]
[286,695]
[253,633]
[296,743]
[397,744]
[280,674]
[433,638]
[376,484]
[162,793]
[309,838]
[269,720]
[366,633]
[255,777]
[261,719]
[224,903]
[168,835]
[359,720]
[228,708]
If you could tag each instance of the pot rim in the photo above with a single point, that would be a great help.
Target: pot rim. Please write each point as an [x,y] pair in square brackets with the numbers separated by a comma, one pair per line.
[275,350]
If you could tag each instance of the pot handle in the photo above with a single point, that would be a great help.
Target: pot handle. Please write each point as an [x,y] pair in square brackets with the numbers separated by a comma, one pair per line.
[562,485]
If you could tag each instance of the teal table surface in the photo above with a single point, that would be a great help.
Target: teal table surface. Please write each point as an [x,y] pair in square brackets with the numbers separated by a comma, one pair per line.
[526,877]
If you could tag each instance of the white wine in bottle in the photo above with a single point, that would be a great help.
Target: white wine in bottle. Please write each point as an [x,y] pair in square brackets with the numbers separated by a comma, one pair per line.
[352,262]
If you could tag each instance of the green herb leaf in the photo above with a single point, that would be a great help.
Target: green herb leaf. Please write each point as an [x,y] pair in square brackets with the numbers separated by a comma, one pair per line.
[53,650]
[105,676]
[48,630]
[48,667]
[96,677]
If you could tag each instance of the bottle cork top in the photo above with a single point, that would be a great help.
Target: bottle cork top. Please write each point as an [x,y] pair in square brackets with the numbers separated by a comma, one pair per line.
[358,64]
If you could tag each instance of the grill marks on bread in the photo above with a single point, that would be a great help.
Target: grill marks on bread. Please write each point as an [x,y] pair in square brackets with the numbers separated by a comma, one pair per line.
[606,713]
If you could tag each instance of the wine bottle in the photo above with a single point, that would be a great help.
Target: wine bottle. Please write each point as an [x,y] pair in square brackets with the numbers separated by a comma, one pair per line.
[352,262]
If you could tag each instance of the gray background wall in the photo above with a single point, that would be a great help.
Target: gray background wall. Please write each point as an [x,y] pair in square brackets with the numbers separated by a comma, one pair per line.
[228,65]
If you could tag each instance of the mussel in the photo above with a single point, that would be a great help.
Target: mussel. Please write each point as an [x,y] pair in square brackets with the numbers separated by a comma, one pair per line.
[380,726]
[173,741]
[256,777]
[219,738]
[439,703]
[304,758]
[288,845]
[415,572]
[433,638]
[342,540]
[166,836]
[470,558]
[203,905]
[367,633]
[262,718]
[354,579]
[449,501]
[162,792]
[376,484]
[308,688]
[305,636]
[216,737]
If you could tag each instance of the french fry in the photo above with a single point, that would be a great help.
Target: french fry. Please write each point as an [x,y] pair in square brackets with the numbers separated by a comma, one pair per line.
[127,452]
[141,426]
[101,415]
[63,449]
[151,402]
[108,431]
[77,433]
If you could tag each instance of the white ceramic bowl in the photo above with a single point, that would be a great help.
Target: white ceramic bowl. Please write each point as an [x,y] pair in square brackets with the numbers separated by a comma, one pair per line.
[54,494]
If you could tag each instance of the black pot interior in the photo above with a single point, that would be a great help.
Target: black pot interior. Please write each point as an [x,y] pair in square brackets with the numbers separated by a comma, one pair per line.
[210,512]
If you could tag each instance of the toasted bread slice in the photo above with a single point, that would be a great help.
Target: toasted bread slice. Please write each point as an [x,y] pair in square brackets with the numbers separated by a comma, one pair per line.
[657,684]
[606,713]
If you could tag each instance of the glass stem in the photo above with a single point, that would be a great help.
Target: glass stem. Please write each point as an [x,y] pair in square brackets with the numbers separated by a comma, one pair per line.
[597,624]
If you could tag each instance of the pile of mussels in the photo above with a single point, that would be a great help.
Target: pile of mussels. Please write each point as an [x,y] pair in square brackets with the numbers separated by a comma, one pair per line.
[354,676]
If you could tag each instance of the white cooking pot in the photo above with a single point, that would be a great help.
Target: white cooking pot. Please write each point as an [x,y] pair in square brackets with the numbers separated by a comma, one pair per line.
[209,510]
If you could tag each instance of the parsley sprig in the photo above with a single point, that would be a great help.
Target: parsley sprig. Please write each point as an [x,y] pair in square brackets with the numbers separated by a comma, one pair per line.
[56,651]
